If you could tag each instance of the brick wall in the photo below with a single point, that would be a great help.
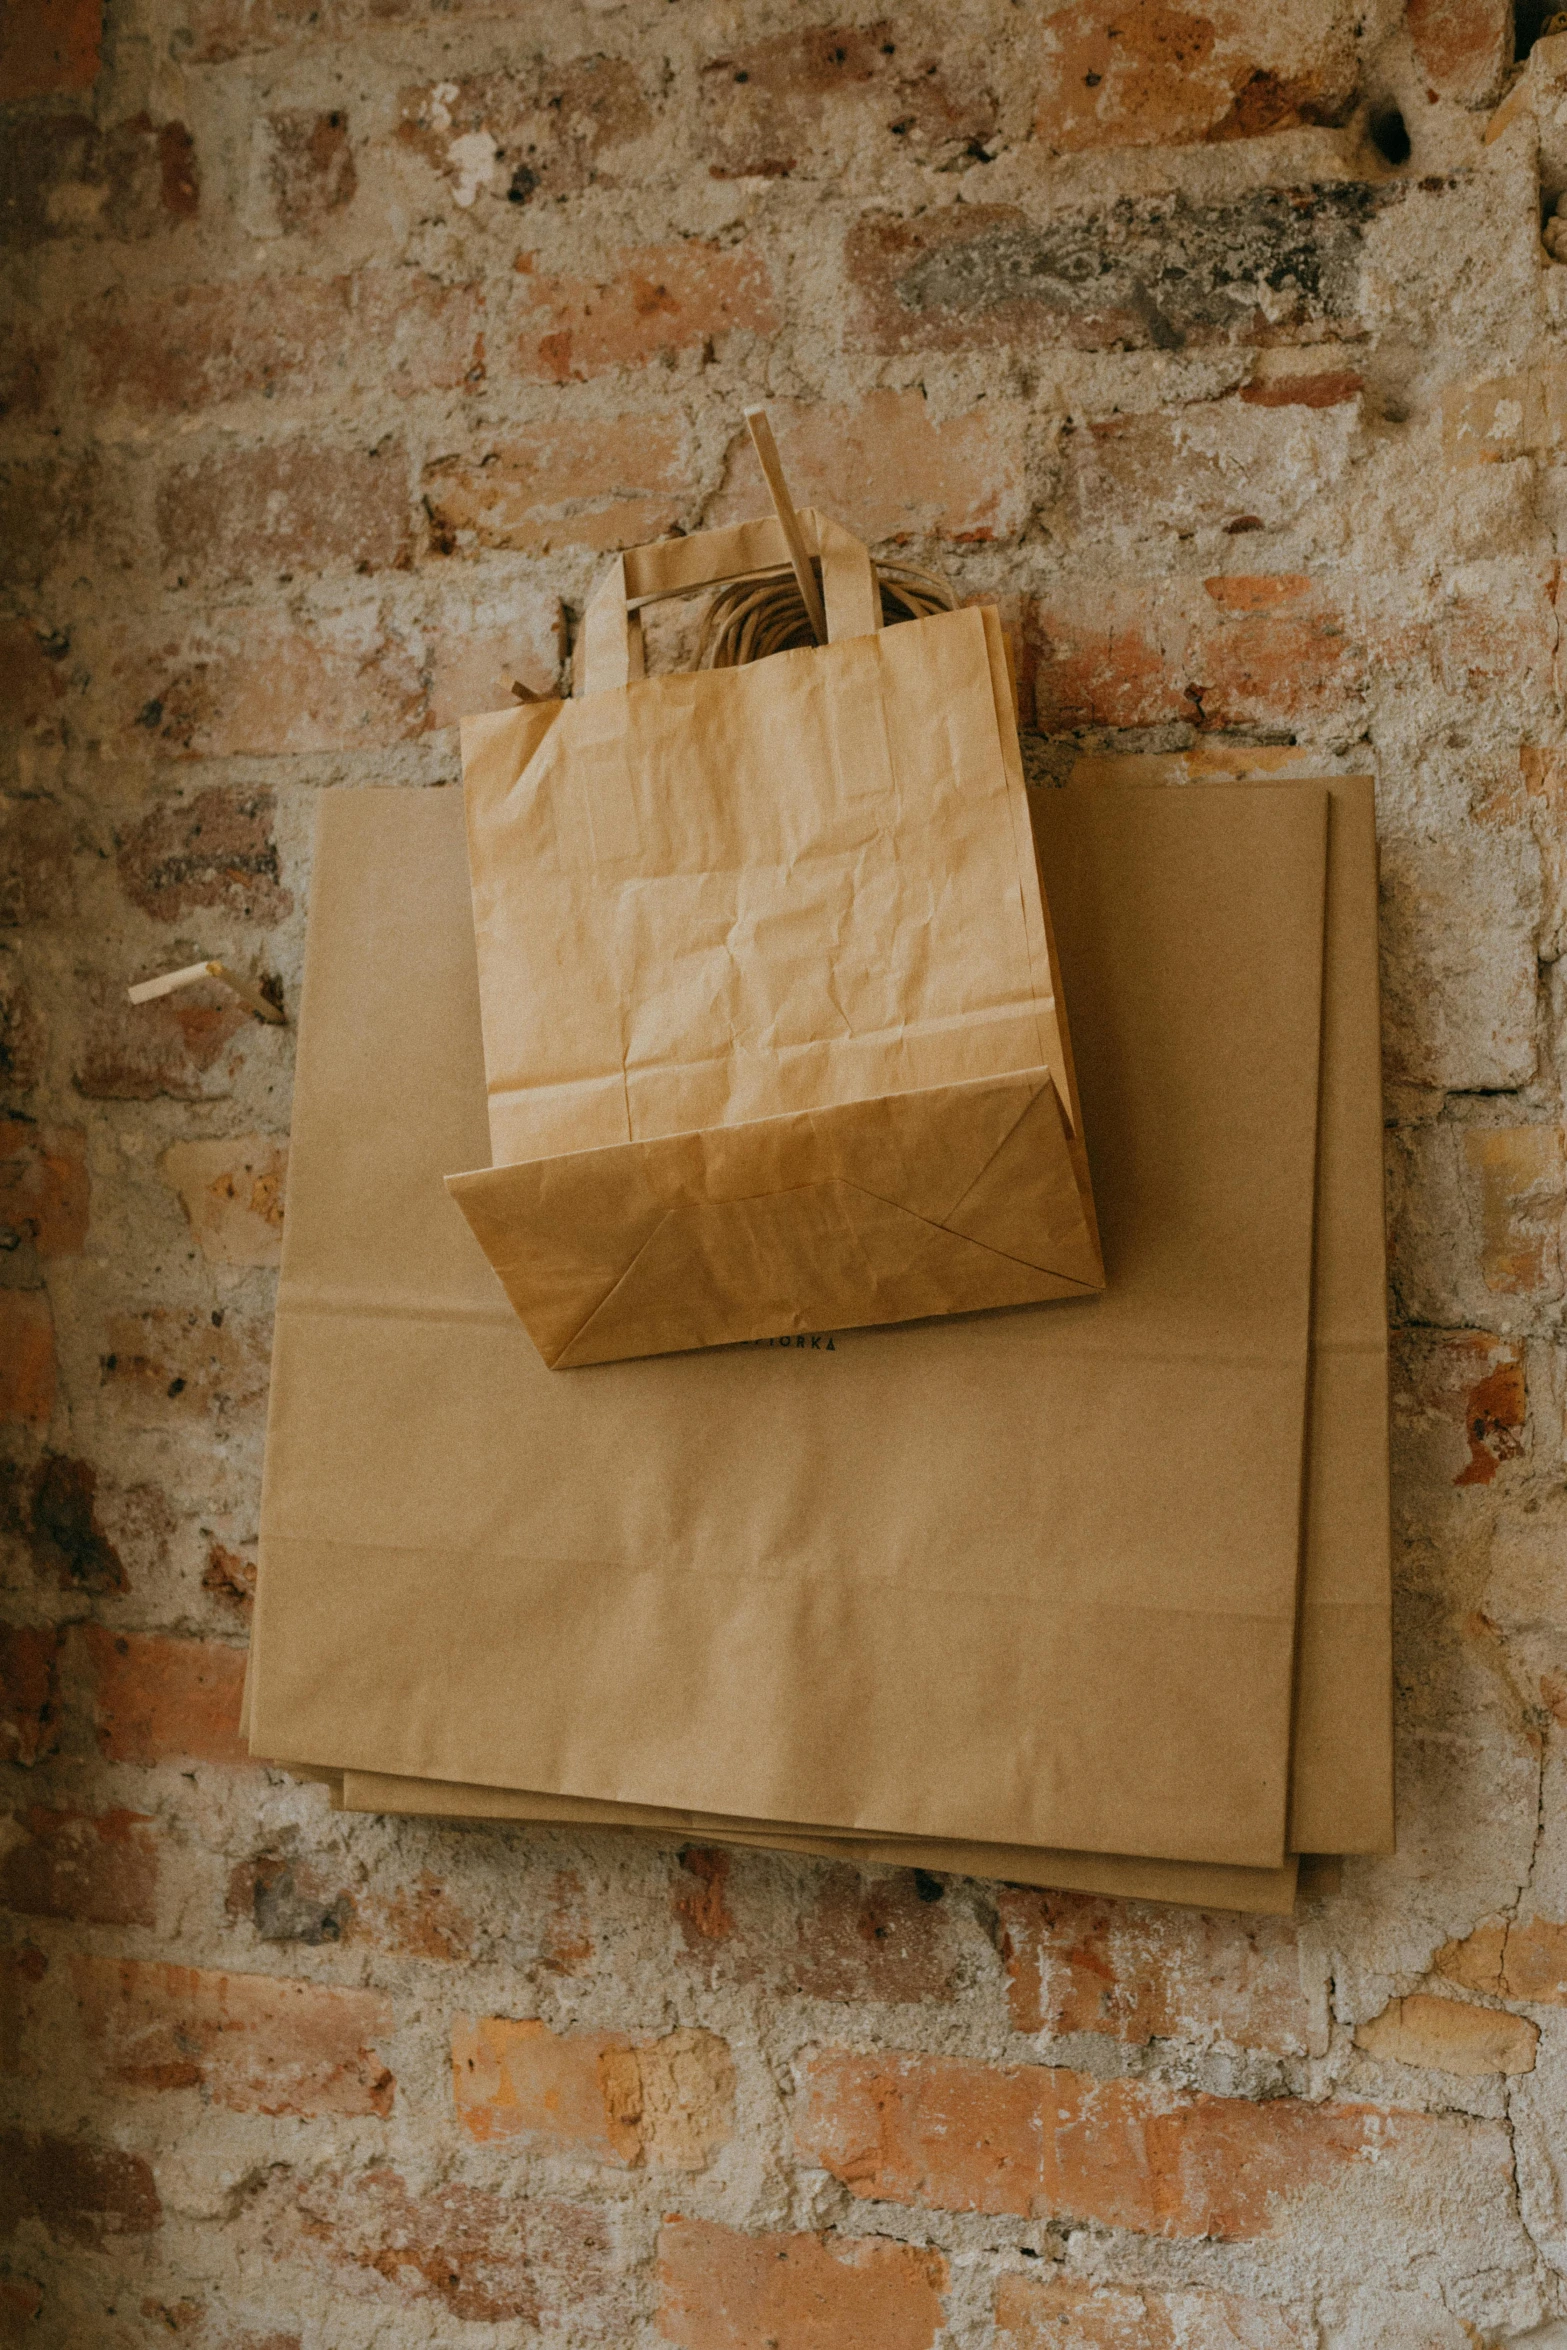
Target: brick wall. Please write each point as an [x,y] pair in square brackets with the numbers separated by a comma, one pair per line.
[1222,346]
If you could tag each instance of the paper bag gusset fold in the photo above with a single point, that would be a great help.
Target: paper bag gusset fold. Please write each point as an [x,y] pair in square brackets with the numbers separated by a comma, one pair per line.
[773,1030]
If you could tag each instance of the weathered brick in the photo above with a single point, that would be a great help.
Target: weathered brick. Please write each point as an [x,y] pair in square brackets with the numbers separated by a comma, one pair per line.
[43,1187]
[1195,468]
[1463,1395]
[1044,2141]
[1450,2036]
[1062,2313]
[230,1575]
[251,2043]
[288,1900]
[1147,273]
[35,857]
[29,1692]
[545,128]
[827,97]
[872,1938]
[54,1509]
[1459,959]
[21,2302]
[27,1362]
[98,1869]
[486,2259]
[83,2194]
[23,1036]
[1521,1176]
[63,175]
[175,1046]
[52,511]
[1526,1961]
[657,299]
[474,657]
[166,1368]
[567,1945]
[284,508]
[1462,47]
[214,849]
[1155,75]
[201,346]
[668,2101]
[722,2290]
[232,1192]
[49,47]
[884,468]
[159,1700]
[578,483]
[1144,1972]
[423,1921]
[302,170]
[271,687]
[698,1898]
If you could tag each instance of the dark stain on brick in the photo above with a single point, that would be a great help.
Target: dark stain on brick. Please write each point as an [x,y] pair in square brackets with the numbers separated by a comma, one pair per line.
[1494,1415]
[29,1692]
[216,849]
[285,1907]
[62,175]
[764,108]
[55,1514]
[1149,272]
[79,2192]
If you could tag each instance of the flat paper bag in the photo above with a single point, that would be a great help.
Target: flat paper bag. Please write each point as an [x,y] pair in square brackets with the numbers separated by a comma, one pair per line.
[1025,1578]
[772,1028]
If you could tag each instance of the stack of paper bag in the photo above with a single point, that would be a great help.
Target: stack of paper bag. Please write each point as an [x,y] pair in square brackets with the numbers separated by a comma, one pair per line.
[1090,1594]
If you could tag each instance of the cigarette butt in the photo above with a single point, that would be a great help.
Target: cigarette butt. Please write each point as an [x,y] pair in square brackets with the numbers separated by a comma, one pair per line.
[146,990]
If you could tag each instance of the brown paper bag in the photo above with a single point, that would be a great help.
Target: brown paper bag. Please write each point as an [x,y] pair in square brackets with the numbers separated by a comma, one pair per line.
[772,1027]
[1025,1578]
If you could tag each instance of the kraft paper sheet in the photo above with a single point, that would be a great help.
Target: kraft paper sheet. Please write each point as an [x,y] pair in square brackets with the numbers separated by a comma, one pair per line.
[862,1586]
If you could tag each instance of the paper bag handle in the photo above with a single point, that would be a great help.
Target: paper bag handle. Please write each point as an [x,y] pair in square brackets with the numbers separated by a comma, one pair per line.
[609,650]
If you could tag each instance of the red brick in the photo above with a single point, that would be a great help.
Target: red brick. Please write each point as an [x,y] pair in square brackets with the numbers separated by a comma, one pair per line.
[1462,47]
[174,1046]
[1161,75]
[269,687]
[34,685]
[251,2043]
[669,2101]
[29,1692]
[423,1921]
[215,849]
[886,470]
[721,2290]
[590,483]
[43,1187]
[27,1364]
[49,509]
[285,508]
[20,2304]
[546,129]
[302,170]
[161,1700]
[839,94]
[1244,655]
[698,1898]
[48,47]
[202,345]
[35,857]
[1060,2313]
[82,2194]
[486,2259]
[230,1575]
[98,1869]
[1328,387]
[1466,1389]
[63,175]
[567,1945]
[23,1037]
[1046,2142]
[1140,1972]
[659,298]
